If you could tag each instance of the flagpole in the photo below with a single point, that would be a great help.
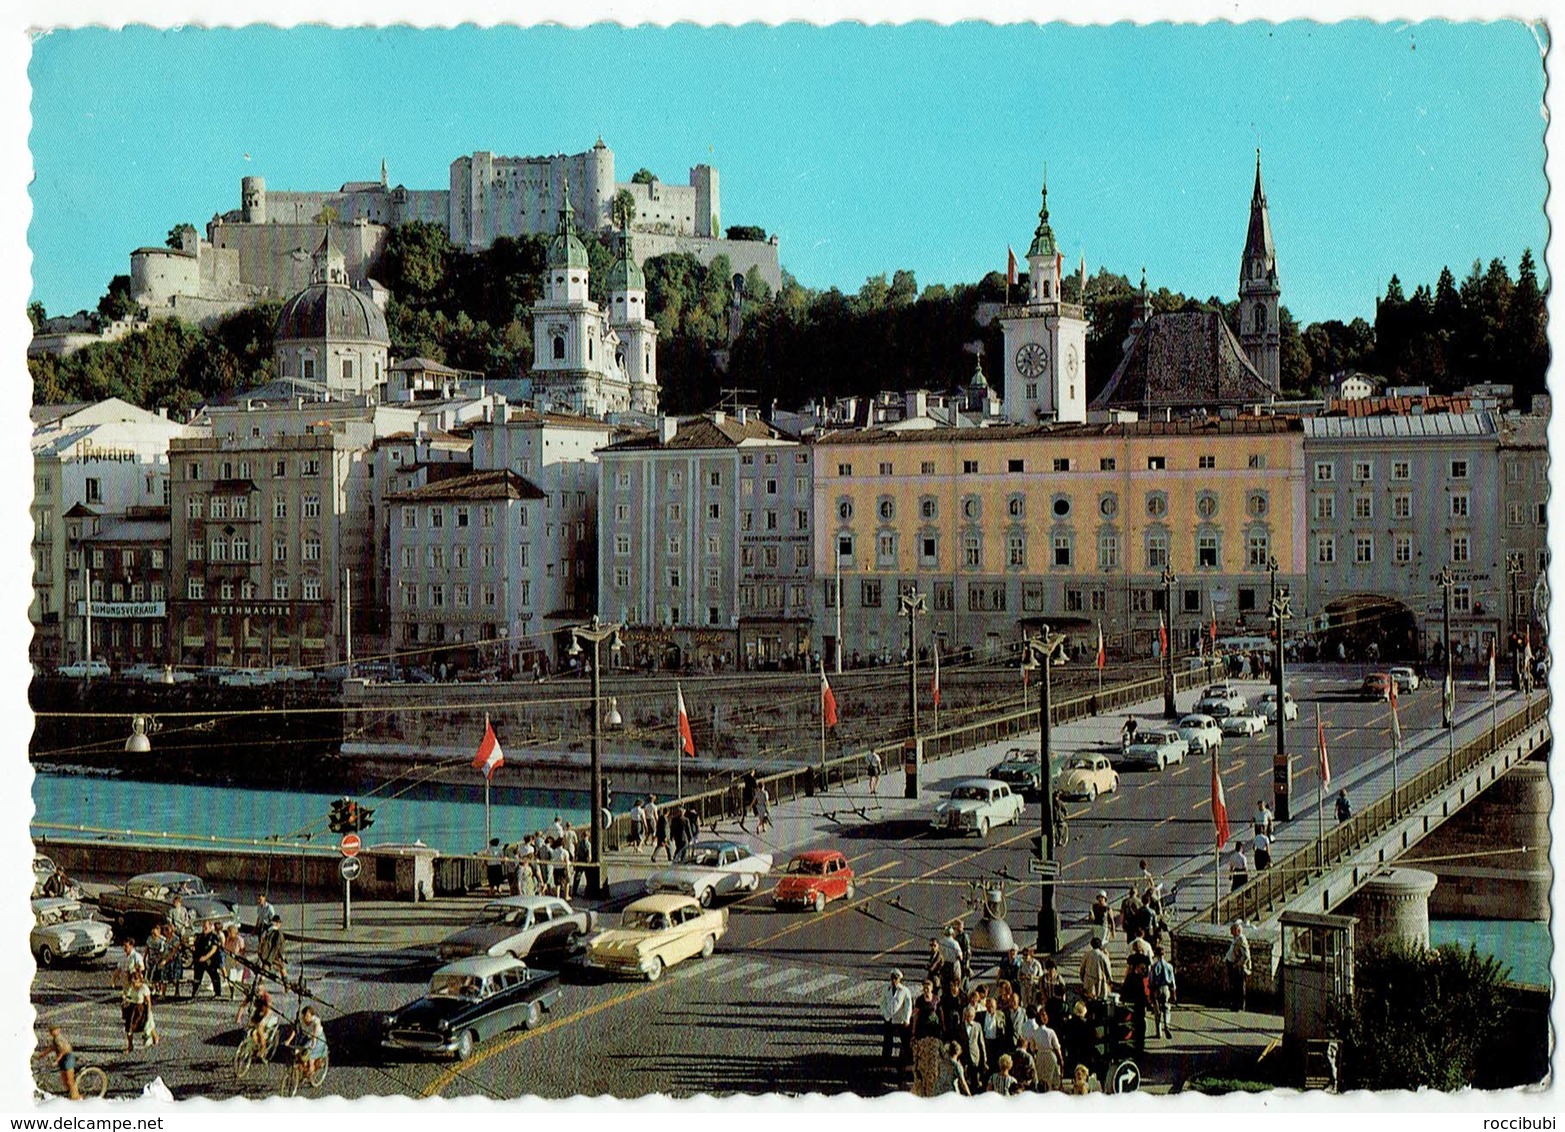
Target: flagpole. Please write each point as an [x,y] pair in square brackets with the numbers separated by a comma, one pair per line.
[821,704]
[679,753]
[488,773]
[1217,855]
[1320,791]
[1396,754]
[936,649]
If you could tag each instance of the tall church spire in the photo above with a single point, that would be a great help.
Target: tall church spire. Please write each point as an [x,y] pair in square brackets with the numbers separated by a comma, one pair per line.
[1260,295]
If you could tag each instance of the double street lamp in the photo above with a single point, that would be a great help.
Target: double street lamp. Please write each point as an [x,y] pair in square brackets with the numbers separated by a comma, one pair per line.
[1280,612]
[1168,581]
[595,632]
[911,604]
[1041,651]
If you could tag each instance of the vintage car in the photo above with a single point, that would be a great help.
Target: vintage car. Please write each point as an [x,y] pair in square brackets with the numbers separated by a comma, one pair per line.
[1242,723]
[1407,680]
[78,669]
[707,869]
[813,877]
[522,927]
[1268,707]
[148,898]
[1376,686]
[63,929]
[655,933]
[1200,732]
[1087,776]
[44,873]
[977,805]
[1157,747]
[1021,770]
[1221,695]
[471,1000]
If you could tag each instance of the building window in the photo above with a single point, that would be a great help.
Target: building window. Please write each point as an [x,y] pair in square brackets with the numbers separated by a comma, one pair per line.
[486,557]
[1108,506]
[1325,473]
[1206,461]
[1326,548]
[311,588]
[714,510]
[1108,552]
[1517,515]
[1062,550]
[1061,464]
[945,597]
[676,513]
[1401,470]
[844,547]
[1363,506]
[1363,471]
[94,489]
[886,550]
[1157,550]
[621,545]
[801,558]
[1461,599]
[1459,469]
[928,554]
[1141,601]
[312,548]
[801,520]
[885,468]
[1206,505]
[887,510]
[1206,551]
[1156,463]
[622,512]
[1460,548]
[622,577]
[1157,504]
[1246,598]
[1402,506]
[926,468]
[193,506]
[869,593]
[927,509]
[1192,601]
[969,467]
[1259,549]
[1031,391]
[674,581]
[845,510]
[1459,505]
[674,544]
[219,507]
[195,589]
[714,479]
[310,508]
[971,556]
[676,479]
[1074,602]
[1403,549]
[971,507]
[1107,464]
[1257,461]
[1016,550]
[1364,549]
[1325,507]
[1541,512]
[844,469]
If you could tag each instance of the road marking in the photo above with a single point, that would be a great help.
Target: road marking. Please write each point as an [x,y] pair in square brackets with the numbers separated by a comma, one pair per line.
[774,978]
[858,992]
[889,950]
[816,984]
[1165,821]
[1182,768]
[1077,861]
[740,969]
[1118,843]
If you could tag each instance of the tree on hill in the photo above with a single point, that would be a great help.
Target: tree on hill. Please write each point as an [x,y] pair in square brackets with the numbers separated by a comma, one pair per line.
[176,235]
[622,209]
[746,232]
[643,176]
[116,302]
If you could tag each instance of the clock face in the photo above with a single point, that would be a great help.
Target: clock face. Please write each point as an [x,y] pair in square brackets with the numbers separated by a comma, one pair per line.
[1071,361]
[1031,359]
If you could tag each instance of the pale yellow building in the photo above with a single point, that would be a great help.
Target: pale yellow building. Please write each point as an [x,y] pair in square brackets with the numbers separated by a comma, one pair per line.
[1009,527]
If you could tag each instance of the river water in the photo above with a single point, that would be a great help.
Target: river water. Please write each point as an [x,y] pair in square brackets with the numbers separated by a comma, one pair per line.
[448,818]
[1524,946]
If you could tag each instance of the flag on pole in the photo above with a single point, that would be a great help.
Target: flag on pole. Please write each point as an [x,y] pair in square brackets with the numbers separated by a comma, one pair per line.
[489,757]
[1025,678]
[1083,296]
[1010,267]
[1059,263]
[934,683]
[1214,634]
[1396,721]
[1103,656]
[687,741]
[1325,763]
[828,702]
[1219,807]
[1447,693]
[1491,668]
[1162,635]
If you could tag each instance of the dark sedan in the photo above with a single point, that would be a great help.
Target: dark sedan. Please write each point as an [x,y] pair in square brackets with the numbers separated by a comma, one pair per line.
[470,1001]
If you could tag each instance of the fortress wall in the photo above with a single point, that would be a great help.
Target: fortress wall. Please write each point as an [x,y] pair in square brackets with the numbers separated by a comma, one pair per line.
[156,275]
[275,258]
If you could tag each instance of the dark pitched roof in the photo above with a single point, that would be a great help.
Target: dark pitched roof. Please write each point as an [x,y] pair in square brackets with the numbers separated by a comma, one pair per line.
[502,484]
[1179,426]
[423,364]
[1183,361]
[706,432]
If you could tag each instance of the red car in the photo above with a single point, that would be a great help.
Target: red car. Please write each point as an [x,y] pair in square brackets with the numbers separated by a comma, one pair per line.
[814,877]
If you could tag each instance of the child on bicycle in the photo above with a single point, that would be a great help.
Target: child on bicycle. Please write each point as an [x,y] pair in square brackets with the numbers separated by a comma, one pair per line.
[309,1042]
[263,1025]
[64,1060]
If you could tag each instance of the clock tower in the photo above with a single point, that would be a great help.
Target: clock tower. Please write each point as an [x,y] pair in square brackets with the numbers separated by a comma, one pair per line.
[1045,340]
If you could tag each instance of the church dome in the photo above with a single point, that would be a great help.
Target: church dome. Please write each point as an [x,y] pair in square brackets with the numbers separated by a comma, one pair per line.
[566,250]
[626,274]
[332,311]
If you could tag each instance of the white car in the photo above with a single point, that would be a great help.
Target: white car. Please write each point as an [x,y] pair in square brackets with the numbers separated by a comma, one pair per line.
[1245,723]
[1087,776]
[1221,695]
[1200,732]
[977,805]
[709,869]
[82,668]
[63,929]
[1407,680]
[1157,748]
[1268,707]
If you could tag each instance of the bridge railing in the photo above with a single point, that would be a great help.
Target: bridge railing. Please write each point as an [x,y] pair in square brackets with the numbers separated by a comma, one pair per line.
[1290,875]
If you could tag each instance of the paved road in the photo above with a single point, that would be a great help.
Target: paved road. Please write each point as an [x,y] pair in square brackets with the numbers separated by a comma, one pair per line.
[787,1004]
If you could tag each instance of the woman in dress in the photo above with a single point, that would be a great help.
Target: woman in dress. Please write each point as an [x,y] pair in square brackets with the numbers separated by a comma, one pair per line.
[136,1010]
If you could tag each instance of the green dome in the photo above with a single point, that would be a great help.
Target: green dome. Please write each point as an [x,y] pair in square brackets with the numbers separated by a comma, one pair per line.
[626,274]
[565,250]
[1043,239]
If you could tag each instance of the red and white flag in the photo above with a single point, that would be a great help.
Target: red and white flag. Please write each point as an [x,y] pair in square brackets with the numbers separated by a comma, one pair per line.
[489,757]
[1214,634]
[1026,677]
[1162,635]
[828,702]
[1219,806]
[1491,668]
[1010,267]
[1325,763]
[1396,720]
[687,742]
[1102,655]
[934,682]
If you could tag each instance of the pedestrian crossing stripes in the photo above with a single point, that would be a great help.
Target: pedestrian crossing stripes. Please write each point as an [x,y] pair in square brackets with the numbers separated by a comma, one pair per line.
[795,981]
[785,975]
[816,984]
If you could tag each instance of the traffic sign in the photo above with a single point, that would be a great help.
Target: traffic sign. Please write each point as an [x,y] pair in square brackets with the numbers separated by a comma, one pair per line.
[1039,867]
[350,868]
[351,845]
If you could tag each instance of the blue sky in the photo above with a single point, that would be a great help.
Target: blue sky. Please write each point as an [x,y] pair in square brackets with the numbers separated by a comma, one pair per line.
[1387,147]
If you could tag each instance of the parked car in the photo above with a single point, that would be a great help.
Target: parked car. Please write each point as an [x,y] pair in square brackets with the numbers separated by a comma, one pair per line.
[1087,776]
[469,1001]
[63,929]
[522,927]
[1221,695]
[1407,680]
[147,899]
[80,669]
[1200,732]
[814,877]
[1268,707]
[708,869]
[1376,686]
[655,933]
[1243,723]
[1157,747]
[977,805]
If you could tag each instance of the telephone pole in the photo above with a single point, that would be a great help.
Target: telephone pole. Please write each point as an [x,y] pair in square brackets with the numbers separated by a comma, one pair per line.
[1168,653]
[1282,768]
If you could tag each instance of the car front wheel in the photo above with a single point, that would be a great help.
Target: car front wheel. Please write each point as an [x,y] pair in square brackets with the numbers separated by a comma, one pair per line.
[1092,793]
[708,945]
[819,902]
[983,829]
[848,892]
[704,897]
[655,972]
[46,956]
[534,1017]
[466,1044]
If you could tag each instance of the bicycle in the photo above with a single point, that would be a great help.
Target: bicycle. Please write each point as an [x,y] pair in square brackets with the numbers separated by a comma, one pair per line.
[92,1083]
[248,1052]
[296,1073]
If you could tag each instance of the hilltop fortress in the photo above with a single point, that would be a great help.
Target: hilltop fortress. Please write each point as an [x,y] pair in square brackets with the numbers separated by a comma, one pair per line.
[263,249]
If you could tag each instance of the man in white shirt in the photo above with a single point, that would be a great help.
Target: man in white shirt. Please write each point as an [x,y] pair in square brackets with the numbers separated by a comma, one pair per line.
[1097,972]
[129,961]
[896,1015]
[1237,963]
[1263,851]
[557,828]
[1238,869]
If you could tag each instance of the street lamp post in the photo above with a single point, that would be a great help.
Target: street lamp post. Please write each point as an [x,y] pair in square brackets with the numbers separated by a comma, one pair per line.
[1040,655]
[1448,692]
[1514,568]
[595,633]
[1168,653]
[910,604]
[1282,768]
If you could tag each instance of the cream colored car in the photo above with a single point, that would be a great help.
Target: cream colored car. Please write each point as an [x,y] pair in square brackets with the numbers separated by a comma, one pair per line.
[655,933]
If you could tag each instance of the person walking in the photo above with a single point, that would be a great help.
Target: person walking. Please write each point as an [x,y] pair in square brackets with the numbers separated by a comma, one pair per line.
[266,914]
[974,1048]
[638,824]
[951,1078]
[660,837]
[1136,993]
[208,952]
[1101,917]
[1238,869]
[233,951]
[1263,852]
[136,1010]
[1001,1080]
[873,768]
[1029,979]
[1236,961]
[1165,989]
[130,962]
[896,1018]
[763,809]
[1097,973]
[1344,807]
